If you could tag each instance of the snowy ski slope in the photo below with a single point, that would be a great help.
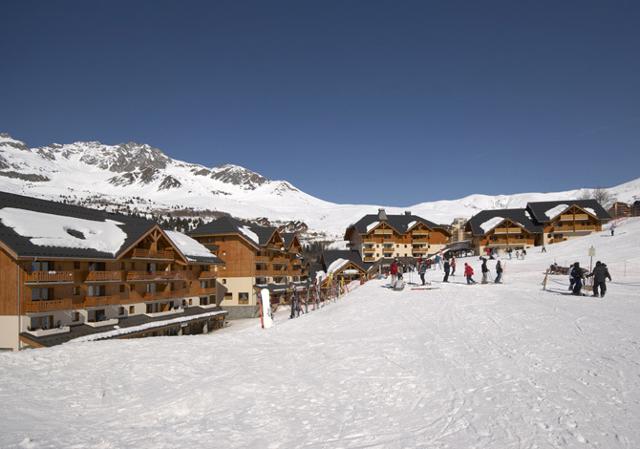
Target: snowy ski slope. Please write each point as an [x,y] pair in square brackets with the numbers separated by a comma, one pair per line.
[487,366]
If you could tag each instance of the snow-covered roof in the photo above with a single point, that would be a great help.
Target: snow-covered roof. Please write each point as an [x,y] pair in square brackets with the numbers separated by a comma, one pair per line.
[491,223]
[191,248]
[556,210]
[591,211]
[249,234]
[43,229]
[371,226]
[336,265]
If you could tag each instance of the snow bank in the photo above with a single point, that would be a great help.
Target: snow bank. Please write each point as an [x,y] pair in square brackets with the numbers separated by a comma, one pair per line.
[555,211]
[54,230]
[187,245]
[491,223]
[250,234]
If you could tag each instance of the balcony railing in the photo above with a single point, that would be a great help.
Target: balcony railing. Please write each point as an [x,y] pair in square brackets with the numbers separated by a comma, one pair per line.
[147,296]
[50,277]
[105,276]
[48,305]
[208,275]
[133,276]
[141,253]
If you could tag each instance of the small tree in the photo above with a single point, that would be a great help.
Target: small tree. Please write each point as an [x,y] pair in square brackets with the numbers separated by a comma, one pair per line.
[601,195]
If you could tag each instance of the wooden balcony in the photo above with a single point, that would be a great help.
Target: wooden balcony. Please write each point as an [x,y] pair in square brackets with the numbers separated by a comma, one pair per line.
[50,305]
[50,277]
[158,276]
[105,276]
[149,296]
[99,301]
[280,260]
[141,253]
[207,275]
[420,232]
[198,291]
[263,259]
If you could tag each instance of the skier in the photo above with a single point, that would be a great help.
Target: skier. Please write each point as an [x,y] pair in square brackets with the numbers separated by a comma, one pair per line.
[394,271]
[613,230]
[544,249]
[499,273]
[485,270]
[509,251]
[577,275]
[422,268]
[447,265]
[524,253]
[468,273]
[600,275]
[453,265]
[437,261]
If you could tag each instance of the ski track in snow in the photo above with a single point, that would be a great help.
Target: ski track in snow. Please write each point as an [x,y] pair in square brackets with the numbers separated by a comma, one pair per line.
[488,366]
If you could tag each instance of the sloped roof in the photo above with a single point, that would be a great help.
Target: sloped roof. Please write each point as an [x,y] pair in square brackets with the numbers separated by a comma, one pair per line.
[515,215]
[538,209]
[133,227]
[229,225]
[400,223]
[193,250]
[329,256]
[288,238]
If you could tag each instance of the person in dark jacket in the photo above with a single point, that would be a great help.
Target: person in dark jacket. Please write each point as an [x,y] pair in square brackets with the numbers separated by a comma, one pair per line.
[577,275]
[452,263]
[498,273]
[600,275]
[422,269]
[447,267]
[485,270]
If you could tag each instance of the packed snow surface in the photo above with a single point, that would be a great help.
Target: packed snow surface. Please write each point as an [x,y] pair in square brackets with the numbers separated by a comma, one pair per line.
[249,234]
[53,230]
[485,366]
[187,245]
[555,211]
[491,223]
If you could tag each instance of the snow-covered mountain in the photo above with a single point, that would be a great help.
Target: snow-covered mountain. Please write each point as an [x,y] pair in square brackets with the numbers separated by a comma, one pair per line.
[147,179]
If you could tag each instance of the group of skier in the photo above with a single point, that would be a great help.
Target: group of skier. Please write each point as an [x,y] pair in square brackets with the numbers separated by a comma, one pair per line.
[600,274]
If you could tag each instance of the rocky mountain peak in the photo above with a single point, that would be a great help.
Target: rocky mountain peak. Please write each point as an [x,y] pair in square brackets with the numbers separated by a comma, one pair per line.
[237,175]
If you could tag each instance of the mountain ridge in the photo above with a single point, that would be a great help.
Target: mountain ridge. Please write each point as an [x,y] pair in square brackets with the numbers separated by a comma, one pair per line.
[148,180]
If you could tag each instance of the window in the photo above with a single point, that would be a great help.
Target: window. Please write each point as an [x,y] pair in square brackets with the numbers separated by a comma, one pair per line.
[190,301]
[76,291]
[132,309]
[41,266]
[224,281]
[76,316]
[76,265]
[38,294]
[121,288]
[203,301]
[243,298]
[121,311]
[150,288]
[96,290]
[228,296]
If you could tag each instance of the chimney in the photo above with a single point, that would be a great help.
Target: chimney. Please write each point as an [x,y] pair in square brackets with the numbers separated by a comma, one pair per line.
[382,215]
[407,212]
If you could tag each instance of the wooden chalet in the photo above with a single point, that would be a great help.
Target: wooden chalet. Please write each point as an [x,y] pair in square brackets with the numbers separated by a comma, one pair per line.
[258,257]
[385,236]
[503,229]
[619,210]
[341,267]
[562,220]
[540,223]
[68,272]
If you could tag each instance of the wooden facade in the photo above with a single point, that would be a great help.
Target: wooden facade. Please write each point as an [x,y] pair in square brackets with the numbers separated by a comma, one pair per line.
[572,222]
[250,265]
[49,295]
[382,240]
[507,234]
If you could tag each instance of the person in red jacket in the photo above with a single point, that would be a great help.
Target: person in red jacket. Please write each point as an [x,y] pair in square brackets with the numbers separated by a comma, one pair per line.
[468,273]
[394,271]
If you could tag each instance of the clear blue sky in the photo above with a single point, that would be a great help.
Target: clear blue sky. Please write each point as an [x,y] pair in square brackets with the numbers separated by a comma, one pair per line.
[391,102]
